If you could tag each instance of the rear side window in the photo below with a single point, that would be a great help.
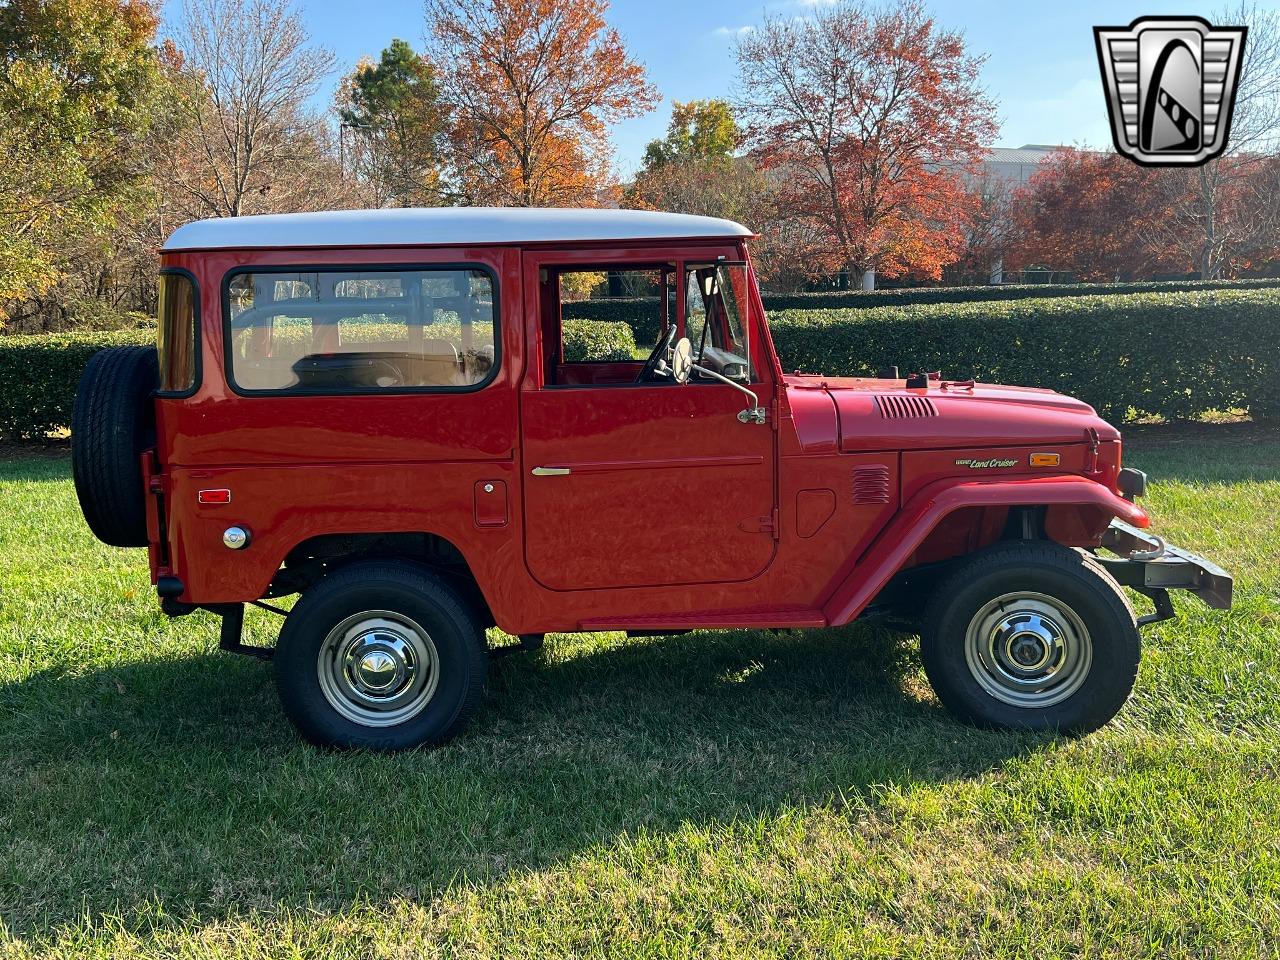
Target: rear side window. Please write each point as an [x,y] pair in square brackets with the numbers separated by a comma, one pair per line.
[365,331]
[176,343]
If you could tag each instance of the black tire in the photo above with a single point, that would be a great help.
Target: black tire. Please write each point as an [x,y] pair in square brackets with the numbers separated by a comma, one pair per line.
[112,424]
[1050,583]
[410,596]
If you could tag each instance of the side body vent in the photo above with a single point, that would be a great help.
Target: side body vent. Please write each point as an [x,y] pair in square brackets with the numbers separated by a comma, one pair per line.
[902,408]
[871,484]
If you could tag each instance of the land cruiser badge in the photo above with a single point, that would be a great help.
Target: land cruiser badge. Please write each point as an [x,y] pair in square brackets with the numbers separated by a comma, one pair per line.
[985,464]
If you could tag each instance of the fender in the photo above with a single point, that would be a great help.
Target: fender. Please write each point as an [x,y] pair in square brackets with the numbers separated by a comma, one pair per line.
[922,513]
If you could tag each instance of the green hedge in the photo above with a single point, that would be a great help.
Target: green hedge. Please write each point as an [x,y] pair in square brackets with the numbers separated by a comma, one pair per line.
[641,313]
[1173,354]
[595,340]
[1177,355]
[845,299]
[38,376]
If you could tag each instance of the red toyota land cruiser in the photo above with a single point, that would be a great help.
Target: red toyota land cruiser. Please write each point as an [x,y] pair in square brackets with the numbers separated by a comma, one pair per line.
[393,415]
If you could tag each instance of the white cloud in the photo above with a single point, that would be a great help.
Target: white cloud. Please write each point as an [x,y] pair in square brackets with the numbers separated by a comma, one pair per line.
[734,32]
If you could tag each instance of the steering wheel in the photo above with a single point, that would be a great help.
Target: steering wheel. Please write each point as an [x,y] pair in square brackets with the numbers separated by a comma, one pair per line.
[384,369]
[662,347]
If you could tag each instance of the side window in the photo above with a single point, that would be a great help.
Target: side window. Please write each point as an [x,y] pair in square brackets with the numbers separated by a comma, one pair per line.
[601,324]
[343,331]
[176,344]
[715,297]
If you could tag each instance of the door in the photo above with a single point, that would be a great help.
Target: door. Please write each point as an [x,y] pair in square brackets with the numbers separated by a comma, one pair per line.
[632,479]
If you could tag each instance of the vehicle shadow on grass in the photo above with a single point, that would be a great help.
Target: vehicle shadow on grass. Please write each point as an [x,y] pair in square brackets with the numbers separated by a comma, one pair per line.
[1230,453]
[178,784]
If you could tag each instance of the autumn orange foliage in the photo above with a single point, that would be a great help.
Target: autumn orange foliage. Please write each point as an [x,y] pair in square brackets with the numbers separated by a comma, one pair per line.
[869,122]
[1094,214]
[534,85]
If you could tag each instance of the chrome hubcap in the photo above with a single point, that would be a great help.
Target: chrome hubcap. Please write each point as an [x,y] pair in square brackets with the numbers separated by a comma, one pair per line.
[1028,649]
[378,668]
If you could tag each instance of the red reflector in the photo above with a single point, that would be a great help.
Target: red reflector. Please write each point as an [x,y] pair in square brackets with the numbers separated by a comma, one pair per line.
[213,496]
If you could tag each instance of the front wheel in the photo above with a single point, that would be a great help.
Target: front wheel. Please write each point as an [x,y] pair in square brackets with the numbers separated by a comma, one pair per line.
[380,656]
[1031,635]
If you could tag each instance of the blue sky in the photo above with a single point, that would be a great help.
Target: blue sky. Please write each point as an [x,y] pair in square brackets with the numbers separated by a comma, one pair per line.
[1041,67]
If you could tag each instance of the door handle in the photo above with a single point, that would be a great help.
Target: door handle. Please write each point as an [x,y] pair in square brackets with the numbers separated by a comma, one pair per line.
[550,471]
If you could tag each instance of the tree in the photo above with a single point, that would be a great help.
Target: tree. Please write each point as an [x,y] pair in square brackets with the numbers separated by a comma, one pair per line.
[693,168]
[731,188]
[250,146]
[1222,216]
[871,118]
[699,130]
[533,85]
[81,87]
[987,235]
[394,127]
[1224,213]
[1090,213]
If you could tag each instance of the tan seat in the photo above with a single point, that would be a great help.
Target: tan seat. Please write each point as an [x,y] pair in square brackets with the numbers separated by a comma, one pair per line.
[438,366]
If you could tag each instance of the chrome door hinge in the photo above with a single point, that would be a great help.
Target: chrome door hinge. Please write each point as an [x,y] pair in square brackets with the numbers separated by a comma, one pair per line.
[767,524]
[770,524]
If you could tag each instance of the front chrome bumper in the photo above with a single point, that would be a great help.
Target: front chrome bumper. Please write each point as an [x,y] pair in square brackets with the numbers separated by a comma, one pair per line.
[1152,567]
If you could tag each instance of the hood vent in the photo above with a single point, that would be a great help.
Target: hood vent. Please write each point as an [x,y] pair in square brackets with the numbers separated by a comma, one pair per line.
[904,408]
[871,484]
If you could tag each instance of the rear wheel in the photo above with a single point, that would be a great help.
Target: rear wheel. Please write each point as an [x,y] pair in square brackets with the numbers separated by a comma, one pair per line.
[380,656]
[1031,635]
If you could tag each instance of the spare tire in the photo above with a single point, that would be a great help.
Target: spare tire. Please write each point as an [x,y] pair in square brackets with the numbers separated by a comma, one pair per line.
[112,424]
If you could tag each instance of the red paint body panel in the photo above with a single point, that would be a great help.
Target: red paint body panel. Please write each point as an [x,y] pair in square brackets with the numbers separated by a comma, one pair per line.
[987,415]
[584,373]
[651,467]
[674,514]
[922,514]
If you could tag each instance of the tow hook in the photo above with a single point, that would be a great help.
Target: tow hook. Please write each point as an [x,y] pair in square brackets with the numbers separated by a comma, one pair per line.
[1155,553]
[1153,567]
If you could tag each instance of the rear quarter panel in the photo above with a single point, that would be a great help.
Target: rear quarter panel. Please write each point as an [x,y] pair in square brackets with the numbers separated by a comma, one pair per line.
[301,466]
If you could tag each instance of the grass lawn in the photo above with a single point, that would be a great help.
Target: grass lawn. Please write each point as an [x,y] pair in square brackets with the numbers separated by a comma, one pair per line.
[710,795]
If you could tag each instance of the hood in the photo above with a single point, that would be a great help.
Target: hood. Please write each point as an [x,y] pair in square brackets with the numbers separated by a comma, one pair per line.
[885,415]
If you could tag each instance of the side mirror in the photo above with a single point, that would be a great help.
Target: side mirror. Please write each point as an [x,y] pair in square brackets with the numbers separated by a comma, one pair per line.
[682,360]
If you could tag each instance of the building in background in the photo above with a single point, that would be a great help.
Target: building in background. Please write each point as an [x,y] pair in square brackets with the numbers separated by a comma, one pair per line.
[1016,165]
[1004,171]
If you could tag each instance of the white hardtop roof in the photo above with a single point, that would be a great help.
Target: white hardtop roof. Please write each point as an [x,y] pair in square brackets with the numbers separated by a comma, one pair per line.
[446,226]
